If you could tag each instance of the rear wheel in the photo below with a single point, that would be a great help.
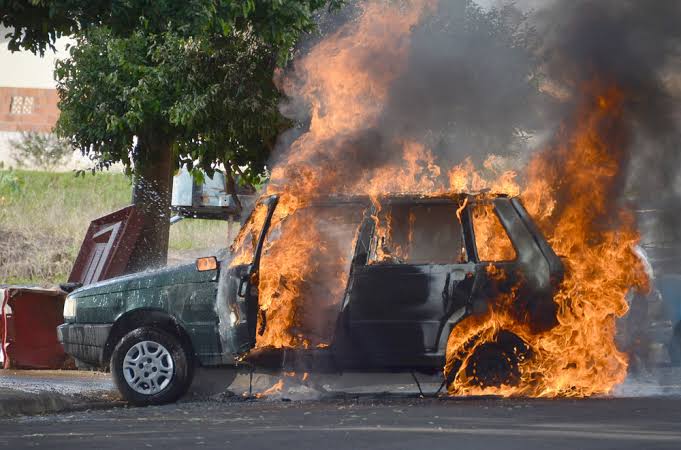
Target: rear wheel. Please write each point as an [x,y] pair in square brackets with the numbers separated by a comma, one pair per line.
[151,367]
[493,363]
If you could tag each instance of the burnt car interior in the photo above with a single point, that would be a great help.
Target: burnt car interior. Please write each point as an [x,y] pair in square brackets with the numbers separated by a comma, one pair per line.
[417,267]
[418,234]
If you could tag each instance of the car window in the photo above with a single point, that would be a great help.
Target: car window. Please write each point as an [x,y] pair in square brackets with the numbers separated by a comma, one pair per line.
[245,242]
[418,234]
[491,239]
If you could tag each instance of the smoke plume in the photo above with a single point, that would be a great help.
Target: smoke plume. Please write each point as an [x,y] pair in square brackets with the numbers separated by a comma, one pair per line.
[453,77]
[496,80]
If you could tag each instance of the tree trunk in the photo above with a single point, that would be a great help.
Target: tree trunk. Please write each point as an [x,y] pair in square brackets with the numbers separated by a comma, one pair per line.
[151,196]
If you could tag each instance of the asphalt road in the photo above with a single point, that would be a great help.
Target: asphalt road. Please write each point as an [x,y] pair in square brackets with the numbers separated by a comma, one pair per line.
[362,422]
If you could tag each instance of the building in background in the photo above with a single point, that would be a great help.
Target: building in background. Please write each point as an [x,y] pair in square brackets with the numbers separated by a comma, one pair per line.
[28,96]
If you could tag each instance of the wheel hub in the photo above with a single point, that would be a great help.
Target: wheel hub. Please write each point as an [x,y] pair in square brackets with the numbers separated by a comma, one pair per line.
[148,367]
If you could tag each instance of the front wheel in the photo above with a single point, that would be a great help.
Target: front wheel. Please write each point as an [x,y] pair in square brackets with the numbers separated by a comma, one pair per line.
[151,367]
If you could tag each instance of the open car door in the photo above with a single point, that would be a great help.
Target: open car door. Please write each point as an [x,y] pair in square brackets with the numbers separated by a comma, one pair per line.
[237,301]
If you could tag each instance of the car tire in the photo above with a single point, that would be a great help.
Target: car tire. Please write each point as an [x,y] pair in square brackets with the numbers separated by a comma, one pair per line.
[151,367]
[493,363]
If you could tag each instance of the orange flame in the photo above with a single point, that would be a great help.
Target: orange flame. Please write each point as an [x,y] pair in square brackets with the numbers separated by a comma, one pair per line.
[571,192]
[492,242]
[345,96]
[578,214]
[276,388]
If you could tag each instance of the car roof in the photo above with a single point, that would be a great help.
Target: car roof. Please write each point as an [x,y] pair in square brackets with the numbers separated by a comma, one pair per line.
[405,198]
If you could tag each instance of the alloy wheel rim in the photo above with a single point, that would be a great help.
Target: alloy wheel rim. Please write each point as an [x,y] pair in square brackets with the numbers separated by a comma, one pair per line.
[148,367]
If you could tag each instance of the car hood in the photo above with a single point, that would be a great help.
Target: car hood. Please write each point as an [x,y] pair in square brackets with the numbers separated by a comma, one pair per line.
[148,279]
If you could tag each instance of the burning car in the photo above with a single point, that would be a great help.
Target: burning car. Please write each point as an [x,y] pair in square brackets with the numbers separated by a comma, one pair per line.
[392,278]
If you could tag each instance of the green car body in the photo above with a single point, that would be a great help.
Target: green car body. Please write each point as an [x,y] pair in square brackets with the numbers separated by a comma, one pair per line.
[180,298]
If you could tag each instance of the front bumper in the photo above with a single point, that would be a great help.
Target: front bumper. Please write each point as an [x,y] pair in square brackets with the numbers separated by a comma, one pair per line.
[84,342]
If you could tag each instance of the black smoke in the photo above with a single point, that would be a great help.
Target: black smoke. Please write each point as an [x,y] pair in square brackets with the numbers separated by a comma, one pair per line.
[470,88]
[635,45]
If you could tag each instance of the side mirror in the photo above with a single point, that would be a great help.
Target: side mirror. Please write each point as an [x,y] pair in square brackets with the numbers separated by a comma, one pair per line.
[206,263]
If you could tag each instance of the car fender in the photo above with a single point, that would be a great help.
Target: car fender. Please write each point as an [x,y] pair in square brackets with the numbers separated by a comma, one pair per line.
[142,317]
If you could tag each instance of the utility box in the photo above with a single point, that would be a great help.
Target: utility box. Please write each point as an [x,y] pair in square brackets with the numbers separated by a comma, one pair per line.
[207,200]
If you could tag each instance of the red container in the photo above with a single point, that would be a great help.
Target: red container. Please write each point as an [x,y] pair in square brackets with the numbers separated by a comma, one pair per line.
[28,328]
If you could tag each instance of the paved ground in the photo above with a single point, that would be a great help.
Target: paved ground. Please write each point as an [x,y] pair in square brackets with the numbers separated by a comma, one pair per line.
[328,412]
[60,381]
[30,392]
[45,391]
[362,422]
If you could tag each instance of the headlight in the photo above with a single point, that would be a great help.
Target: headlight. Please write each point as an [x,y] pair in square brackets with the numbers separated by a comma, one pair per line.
[70,309]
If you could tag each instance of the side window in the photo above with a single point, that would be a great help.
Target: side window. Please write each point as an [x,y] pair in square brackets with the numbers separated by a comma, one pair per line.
[418,234]
[245,242]
[491,240]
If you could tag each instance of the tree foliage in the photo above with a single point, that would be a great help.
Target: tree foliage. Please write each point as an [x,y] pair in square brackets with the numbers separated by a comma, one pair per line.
[35,24]
[197,71]
[156,83]
[213,97]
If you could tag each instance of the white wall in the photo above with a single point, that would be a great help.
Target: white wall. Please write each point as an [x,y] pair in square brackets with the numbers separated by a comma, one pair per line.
[24,69]
[5,147]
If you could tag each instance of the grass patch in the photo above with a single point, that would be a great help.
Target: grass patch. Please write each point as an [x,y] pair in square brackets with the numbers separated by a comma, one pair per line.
[44,217]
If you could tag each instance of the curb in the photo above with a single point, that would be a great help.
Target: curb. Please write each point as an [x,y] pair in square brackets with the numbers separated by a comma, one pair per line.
[20,403]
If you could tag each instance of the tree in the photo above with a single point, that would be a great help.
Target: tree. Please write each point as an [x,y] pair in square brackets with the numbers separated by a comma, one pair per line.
[153,102]
[35,24]
[154,84]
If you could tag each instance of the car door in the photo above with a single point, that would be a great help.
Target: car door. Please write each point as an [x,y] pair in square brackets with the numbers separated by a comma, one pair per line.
[514,260]
[237,300]
[304,270]
[415,277]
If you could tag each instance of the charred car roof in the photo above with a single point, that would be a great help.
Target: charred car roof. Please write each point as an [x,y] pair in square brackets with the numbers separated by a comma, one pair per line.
[403,198]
